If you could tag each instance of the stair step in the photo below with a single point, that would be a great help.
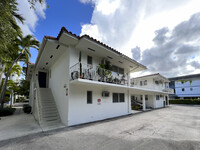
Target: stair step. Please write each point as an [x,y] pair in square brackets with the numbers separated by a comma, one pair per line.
[50,115]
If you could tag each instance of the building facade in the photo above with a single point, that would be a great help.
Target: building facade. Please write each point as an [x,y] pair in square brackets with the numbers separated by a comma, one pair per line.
[185,87]
[77,80]
[152,82]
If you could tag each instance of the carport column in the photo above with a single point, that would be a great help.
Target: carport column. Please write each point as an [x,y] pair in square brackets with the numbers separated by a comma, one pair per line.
[143,102]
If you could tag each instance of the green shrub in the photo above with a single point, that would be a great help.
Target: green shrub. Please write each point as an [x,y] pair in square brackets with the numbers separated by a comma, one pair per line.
[189,102]
[7,111]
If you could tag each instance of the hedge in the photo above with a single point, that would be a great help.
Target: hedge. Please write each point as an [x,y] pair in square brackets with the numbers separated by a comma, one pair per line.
[7,111]
[189,102]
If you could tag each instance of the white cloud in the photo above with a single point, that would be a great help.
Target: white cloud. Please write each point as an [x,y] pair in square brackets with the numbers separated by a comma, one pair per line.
[31,16]
[127,24]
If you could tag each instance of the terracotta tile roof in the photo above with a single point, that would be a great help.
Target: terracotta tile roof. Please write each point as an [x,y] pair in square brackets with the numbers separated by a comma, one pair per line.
[63,29]
[50,37]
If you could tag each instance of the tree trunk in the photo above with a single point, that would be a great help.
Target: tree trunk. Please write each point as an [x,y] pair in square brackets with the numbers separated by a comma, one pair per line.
[3,90]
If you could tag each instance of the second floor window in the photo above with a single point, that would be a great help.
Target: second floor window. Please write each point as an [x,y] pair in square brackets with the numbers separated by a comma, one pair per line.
[183,89]
[89,60]
[117,69]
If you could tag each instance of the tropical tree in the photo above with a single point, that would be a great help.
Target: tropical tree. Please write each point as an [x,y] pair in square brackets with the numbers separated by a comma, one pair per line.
[9,30]
[24,44]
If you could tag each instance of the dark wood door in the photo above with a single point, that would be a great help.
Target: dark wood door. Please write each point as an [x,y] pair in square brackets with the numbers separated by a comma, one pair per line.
[42,77]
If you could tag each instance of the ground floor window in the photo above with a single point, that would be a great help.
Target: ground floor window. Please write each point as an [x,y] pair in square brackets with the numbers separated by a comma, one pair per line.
[118,97]
[157,97]
[146,97]
[89,97]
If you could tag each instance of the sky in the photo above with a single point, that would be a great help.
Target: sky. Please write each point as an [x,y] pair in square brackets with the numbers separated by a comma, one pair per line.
[160,34]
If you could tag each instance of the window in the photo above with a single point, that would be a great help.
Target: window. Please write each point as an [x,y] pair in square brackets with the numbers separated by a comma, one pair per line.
[89,60]
[156,82]
[89,97]
[115,97]
[191,89]
[146,97]
[183,89]
[121,97]
[157,97]
[140,83]
[117,69]
[145,82]
[118,97]
[141,97]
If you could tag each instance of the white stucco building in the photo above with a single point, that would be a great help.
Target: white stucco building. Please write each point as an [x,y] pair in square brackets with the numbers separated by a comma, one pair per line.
[157,82]
[77,80]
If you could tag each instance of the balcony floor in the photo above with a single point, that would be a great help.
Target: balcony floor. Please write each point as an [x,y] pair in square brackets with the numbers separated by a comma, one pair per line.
[136,90]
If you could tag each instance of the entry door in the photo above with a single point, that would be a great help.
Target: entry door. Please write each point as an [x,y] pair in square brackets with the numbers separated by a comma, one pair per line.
[42,77]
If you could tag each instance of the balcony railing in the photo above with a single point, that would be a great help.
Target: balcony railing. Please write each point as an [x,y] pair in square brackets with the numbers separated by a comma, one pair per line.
[88,72]
[169,90]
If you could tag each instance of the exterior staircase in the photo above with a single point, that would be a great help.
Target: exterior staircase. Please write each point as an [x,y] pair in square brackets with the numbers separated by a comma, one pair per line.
[49,115]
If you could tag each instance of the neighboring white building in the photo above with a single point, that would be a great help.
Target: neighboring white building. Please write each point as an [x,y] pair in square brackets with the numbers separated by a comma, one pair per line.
[154,82]
[185,86]
[65,89]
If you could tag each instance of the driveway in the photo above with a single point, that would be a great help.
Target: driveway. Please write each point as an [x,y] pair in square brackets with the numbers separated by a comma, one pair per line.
[17,125]
[172,128]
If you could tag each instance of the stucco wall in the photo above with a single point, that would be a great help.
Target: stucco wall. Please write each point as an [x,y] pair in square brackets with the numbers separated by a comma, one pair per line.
[159,103]
[58,78]
[81,112]
[191,89]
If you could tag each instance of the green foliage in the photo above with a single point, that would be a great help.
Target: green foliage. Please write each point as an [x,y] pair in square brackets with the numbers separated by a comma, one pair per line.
[189,102]
[184,81]
[24,87]
[9,29]
[136,107]
[7,111]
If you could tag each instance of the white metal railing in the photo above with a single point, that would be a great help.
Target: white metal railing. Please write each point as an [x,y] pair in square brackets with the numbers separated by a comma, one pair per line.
[88,72]
[37,98]
[169,90]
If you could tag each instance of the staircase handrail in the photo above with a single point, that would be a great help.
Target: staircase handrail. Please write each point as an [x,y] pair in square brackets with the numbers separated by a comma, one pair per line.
[38,101]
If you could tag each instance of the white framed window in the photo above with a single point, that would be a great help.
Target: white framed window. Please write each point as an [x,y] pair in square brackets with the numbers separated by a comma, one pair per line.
[118,97]
[157,97]
[89,97]
[145,82]
[89,60]
[183,89]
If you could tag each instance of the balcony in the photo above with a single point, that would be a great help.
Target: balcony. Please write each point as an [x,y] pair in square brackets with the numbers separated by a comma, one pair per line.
[171,91]
[88,72]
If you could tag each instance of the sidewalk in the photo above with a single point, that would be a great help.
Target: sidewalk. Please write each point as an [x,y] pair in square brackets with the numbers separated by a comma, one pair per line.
[17,125]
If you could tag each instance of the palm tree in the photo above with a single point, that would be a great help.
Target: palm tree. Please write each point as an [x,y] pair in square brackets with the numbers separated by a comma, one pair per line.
[24,44]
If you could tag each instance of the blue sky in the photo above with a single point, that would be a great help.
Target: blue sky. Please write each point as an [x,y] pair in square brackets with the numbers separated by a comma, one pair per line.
[164,35]
[70,15]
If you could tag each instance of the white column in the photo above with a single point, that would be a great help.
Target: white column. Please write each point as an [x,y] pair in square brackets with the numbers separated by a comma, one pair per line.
[143,102]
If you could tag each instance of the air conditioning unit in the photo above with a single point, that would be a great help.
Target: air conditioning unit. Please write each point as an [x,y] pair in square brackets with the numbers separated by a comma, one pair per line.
[105,94]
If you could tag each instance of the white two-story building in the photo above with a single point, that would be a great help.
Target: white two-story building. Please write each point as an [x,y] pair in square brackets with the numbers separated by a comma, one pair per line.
[77,80]
[156,82]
